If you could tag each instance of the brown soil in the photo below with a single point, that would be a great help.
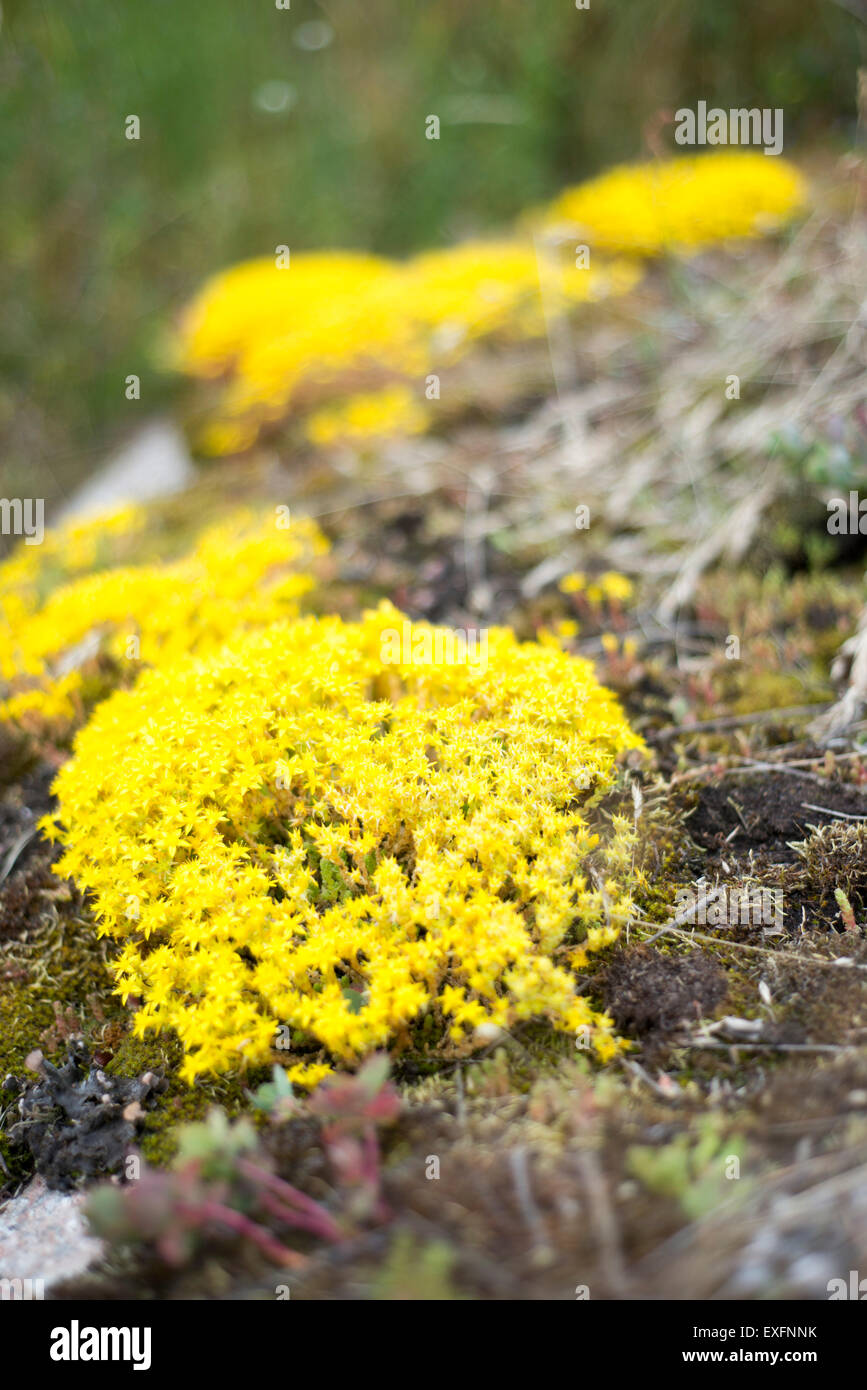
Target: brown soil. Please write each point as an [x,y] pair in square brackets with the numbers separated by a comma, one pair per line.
[650,994]
[767,813]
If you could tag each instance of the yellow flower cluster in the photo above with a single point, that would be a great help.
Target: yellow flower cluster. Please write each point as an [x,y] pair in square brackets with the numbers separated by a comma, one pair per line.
[76,548]
[329,326]
[344,341]
[611,585]
[304,844]
[394,410]
[74,621]
[680,204]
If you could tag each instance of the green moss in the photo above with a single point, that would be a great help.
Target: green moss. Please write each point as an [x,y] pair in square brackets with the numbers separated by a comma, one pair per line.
[59,971]
[23,1019]
[180,1103]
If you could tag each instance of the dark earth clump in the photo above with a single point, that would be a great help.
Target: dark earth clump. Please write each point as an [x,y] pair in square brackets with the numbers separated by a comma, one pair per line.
[768,813]
[78,1122]
[650,994]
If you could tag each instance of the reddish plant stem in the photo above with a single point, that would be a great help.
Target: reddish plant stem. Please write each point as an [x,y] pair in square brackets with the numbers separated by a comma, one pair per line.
[303,1220]
[291,1197]
[243,1226]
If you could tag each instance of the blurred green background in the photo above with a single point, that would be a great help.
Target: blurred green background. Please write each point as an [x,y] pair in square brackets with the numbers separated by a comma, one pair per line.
[261,126]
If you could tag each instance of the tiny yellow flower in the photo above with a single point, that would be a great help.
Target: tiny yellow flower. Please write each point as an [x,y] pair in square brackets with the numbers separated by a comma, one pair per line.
[573,583]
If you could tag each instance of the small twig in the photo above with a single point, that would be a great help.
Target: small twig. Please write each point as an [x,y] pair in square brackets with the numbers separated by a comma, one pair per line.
[600,888]
[839,815]
[710,1044]
[735,721]
[460,1098]
[603,1221]
[683,916]
[722,768]
[524,1193]
[737,810]
[637,1070]
[811,762]
[754,765]
[840,963]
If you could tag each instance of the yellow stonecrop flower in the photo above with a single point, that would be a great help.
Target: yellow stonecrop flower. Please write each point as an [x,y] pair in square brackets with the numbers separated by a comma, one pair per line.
[59,622]
[374,415]
[479,289]
[301,338]
[324,333]
[574,583]
[681,204]
[615,587]
[259,301]
[294,837]
[74,548]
